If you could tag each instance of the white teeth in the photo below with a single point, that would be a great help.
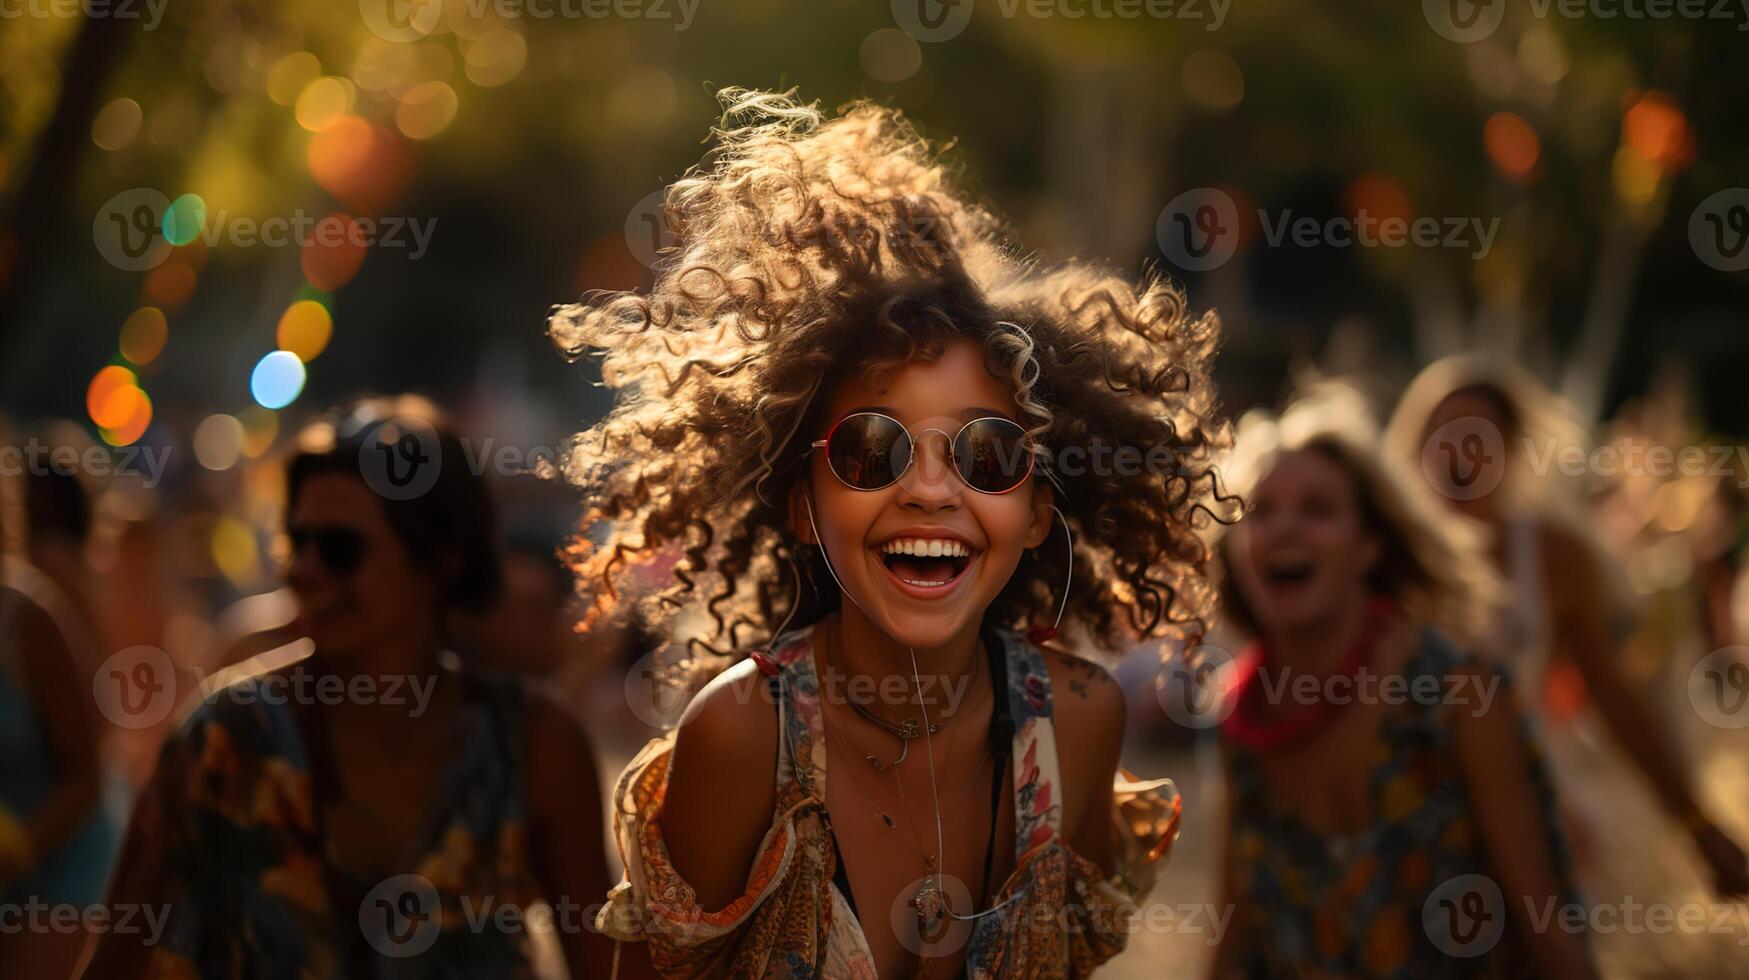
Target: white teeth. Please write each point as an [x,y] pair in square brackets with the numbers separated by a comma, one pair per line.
[926,548]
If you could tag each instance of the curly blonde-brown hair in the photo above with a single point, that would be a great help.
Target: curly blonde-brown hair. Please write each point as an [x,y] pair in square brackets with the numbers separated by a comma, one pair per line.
[808,247]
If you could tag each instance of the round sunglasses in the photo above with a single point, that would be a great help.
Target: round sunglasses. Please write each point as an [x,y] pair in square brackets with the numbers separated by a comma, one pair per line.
[339,549]
[871,451]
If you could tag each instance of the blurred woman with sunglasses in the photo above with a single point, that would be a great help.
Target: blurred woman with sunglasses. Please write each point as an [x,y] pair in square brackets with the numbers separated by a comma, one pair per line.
[370,802]
[1387,811]
[858,416]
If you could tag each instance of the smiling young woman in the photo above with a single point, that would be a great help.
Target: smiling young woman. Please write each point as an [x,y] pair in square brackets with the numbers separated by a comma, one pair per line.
[841,399]
[1388,812]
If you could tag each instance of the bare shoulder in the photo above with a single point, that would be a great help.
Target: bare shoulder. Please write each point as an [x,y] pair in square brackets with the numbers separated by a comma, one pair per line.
[731,722]
[1084,694]
[1087,709]
[722,784]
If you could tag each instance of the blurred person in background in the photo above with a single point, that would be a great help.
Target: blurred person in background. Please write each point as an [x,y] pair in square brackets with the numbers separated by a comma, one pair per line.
[1559,631]
[53,568]
[529,628]
[271,823]
[55,844]
[1350,815]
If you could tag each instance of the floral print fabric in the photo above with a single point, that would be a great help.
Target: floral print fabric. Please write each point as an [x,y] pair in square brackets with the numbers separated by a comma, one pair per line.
[1353,905]
[253,895]
[792,923]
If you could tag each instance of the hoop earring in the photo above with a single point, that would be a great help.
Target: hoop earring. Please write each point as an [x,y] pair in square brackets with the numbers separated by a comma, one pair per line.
[1039,633]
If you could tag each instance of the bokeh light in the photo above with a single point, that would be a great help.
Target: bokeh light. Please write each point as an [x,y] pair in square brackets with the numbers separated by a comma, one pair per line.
[360,163]
[1512,144]
[277,380]
[1542,56]
[103,388]
[1381,197]
[1656,129]
[1635,177]
[426,110]
[116,124]
[144,334]
[235,553]
[218,441]
[169,286]
[1213,80]
[496,58]
[304,329]
[890,55]
[130,409]
[381,64]
[323,101]
[260,429]
[334,252]
[184,219]
[291,75]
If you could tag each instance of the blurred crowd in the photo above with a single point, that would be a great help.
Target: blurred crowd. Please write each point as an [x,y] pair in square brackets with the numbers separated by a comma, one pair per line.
[131,595]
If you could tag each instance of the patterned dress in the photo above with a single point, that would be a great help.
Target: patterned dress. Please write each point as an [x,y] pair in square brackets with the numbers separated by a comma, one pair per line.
[1408,896]
[252,892]
[794,923]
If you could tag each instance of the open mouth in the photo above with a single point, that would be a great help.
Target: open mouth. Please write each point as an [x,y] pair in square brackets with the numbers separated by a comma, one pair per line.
[1288,571]
[926,563]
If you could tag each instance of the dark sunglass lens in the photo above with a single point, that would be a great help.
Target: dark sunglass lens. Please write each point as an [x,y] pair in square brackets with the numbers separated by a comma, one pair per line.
[868,452]
[992,456]
[341,550]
